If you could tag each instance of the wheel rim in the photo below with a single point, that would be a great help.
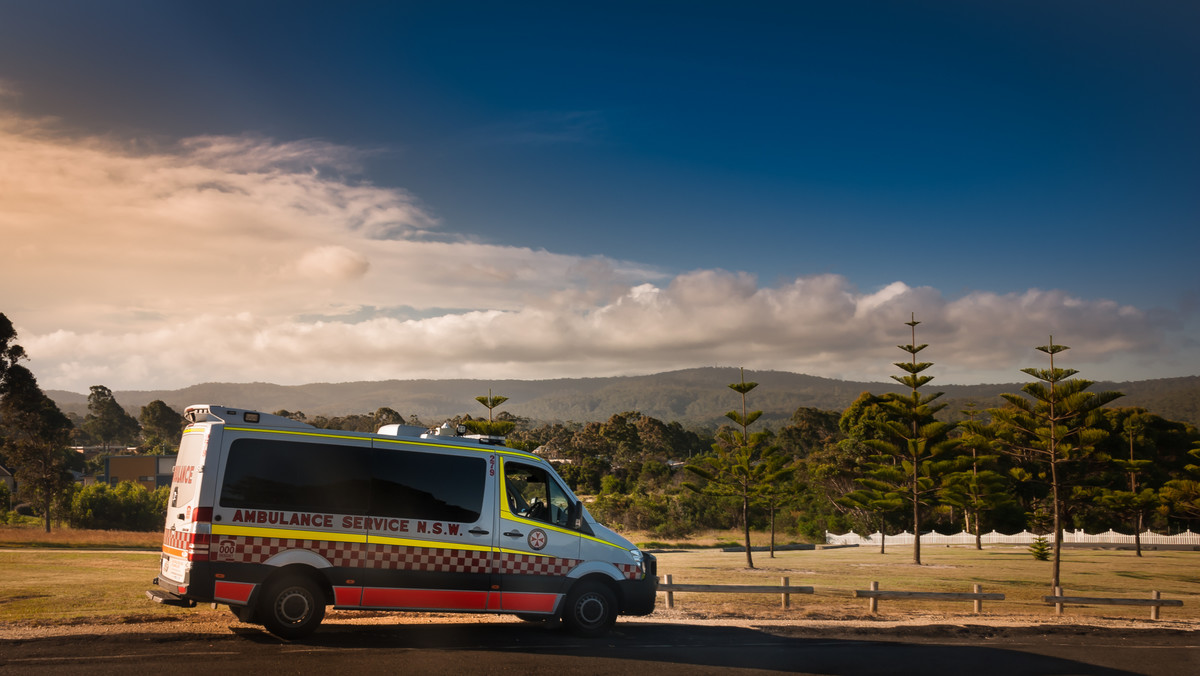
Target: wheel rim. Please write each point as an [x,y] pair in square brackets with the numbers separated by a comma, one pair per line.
[591,609]
[293,606]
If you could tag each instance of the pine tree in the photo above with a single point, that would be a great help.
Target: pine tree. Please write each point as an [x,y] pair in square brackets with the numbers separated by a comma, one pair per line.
[916,449]
[490,427]
[741,465]
[1054,423]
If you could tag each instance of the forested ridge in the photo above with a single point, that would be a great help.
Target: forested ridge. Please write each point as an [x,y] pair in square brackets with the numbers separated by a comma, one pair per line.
[693,397]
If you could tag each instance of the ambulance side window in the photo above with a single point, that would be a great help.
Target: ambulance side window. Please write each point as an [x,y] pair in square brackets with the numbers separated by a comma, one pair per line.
[533,494]
[432,486]
[296,477]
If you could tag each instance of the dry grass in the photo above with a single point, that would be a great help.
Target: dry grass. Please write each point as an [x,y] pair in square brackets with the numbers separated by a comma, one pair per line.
[43,583]
[61,537]
[836,573]
[44,587]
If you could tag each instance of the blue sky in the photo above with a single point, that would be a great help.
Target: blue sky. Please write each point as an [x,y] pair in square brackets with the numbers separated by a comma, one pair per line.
[621,187]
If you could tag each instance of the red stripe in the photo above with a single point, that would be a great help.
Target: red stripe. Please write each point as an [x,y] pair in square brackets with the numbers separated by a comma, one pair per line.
[528,603]
[347,596]
[425,599]
[238,592]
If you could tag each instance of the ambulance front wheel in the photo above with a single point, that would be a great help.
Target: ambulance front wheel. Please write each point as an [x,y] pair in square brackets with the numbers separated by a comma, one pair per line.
[292,606]
[591,609]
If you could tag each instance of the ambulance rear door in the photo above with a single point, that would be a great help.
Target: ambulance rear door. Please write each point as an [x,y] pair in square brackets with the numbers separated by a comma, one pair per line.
[188,529]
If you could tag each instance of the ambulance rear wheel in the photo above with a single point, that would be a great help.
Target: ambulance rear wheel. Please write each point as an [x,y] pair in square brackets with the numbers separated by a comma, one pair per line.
[591,609]
[292,607]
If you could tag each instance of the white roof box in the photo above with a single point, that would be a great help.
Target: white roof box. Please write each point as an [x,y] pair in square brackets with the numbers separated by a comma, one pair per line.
[401,430]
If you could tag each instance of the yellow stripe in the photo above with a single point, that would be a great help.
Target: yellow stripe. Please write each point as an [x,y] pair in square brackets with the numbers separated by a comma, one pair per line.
[501,450]
[255,531]
[429,544]
[525,553]
[545,526]
[299,434]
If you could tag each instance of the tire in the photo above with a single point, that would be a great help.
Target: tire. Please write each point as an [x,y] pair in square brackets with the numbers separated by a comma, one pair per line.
[292,606]
[591,609]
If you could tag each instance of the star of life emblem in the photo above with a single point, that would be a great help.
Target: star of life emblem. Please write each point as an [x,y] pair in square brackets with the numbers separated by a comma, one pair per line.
[537,539]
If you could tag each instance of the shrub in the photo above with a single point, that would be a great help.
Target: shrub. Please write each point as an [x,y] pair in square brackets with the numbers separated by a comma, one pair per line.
[1040,549]
[126,506]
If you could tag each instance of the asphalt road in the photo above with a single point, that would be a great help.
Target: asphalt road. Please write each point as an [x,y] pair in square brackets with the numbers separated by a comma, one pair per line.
[634,648]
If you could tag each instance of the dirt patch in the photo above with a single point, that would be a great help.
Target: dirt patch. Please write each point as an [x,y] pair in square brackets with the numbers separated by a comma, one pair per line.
[814,624]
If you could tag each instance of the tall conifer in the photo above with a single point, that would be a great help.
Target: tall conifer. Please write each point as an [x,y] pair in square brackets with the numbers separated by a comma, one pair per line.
[1054,423]
[915,448]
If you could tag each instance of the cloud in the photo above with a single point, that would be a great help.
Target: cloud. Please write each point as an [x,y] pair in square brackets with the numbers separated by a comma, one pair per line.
[332,263]
[242,258]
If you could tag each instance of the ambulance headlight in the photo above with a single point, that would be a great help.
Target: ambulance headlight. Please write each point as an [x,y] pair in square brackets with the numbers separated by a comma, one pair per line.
[638,559]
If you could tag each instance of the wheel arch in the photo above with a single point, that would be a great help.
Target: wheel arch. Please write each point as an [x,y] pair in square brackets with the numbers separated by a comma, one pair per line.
[300,569]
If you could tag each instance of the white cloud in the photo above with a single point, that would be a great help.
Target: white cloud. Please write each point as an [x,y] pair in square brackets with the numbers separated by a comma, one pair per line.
[206,261]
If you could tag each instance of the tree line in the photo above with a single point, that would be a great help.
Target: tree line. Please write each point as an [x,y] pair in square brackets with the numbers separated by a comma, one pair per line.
[1055,456]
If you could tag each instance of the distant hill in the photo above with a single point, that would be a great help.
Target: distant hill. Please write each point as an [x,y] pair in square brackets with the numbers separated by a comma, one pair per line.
[694,397]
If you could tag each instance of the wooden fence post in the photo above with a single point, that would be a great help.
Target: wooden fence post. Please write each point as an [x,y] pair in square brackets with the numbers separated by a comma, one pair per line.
[978,589]
[873,603]
[787,598]
[1058,607]
[1154,609]
[670,595]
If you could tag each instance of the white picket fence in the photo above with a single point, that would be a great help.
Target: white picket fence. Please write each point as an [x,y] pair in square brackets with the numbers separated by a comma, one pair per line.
[1022,538]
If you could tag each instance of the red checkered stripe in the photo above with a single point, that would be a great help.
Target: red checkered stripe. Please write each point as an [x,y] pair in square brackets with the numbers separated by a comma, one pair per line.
[175,539]
[630,571]
[525,564]
[242,549]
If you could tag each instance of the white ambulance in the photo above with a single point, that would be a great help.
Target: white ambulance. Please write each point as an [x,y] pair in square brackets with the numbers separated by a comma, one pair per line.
[278,519]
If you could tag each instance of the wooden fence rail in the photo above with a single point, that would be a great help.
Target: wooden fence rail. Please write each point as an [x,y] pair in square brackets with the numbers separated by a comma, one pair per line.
[785,589]
[1155,601]
[874,594]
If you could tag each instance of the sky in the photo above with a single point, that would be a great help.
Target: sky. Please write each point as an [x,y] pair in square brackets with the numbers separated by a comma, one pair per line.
[296,192]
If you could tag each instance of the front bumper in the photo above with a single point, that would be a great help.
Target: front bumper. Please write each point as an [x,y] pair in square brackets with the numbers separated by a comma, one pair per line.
[639,596]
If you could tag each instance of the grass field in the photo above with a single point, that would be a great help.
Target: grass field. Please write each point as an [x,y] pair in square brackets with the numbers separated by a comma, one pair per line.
[44,582]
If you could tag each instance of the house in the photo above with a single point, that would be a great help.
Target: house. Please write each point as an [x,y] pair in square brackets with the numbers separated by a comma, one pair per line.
[151,471]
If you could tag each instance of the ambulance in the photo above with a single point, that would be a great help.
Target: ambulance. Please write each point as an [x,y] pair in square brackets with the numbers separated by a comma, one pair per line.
[278,519]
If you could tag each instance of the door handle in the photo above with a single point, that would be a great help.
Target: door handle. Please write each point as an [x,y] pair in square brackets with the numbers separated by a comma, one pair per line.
[514,534]
[477,531]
